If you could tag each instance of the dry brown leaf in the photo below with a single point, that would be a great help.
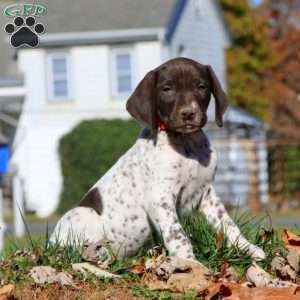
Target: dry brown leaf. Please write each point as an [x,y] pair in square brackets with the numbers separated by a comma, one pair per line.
[268,294]
[139,268]
[266,234]
[98,252]
[63,278]
[260,278]
[45,274]
[226,273]
[282,269]
[6,291]
[157,251]
[231,275]
[172,264]
[291,240]
[233,291]
[293,258]
[223,269]
[218,291]
[192,275]
[277,263]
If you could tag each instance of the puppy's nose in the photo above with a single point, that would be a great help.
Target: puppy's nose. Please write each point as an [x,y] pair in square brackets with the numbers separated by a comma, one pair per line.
[187,114]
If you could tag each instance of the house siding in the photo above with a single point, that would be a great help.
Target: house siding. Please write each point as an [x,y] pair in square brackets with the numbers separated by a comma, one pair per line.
[202,32]
[43,122]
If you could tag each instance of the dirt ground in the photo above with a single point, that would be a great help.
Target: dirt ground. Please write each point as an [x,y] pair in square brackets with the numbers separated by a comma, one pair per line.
[110,291]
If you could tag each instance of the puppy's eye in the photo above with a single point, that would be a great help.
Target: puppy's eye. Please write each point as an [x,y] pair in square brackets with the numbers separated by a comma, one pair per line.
[201,85]
[166,88]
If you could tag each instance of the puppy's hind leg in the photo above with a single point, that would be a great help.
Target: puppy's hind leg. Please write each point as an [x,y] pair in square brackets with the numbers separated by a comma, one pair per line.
[78,226]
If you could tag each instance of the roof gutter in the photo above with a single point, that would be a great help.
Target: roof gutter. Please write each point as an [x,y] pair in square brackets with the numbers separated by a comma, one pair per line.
[101,37]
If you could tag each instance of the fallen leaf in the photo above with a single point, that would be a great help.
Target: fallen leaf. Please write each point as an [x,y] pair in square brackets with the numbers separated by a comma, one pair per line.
[138,268]
[261,278]
[231,275]
[99,253]
[158,256]
[291,240]
[267,294]
[293,259]
[277,263]
[223,269]
[233,291]
[282,269]
[64,279]
[266,234]
[44,274]
[6,291]
[89,268]
[32,257]
[157,251]
[172,264]
[226,273]
[178,275]
[218,291]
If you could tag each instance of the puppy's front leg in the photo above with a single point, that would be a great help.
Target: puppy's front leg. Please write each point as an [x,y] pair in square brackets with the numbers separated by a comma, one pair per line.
[162,213]
[217,216]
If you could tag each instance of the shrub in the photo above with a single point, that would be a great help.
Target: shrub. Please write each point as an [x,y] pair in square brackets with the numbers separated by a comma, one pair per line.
[88,151]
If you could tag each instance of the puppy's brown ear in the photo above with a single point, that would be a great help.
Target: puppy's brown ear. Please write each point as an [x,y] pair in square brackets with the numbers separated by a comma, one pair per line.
[220,96]
[142,103]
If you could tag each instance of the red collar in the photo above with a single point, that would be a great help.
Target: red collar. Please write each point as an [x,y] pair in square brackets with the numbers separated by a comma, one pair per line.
[161,125]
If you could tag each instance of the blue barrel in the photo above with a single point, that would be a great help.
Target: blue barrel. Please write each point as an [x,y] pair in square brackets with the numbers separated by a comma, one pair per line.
[4,158]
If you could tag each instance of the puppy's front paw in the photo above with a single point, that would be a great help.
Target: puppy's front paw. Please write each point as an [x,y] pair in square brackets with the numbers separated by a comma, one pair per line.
[256,253]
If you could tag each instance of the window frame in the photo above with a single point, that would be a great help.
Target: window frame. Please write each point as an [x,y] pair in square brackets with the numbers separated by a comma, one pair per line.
[114,72]
[51,77]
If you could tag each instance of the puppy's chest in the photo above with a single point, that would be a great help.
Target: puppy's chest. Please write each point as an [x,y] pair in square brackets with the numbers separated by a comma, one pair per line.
[200,168]
[196,177]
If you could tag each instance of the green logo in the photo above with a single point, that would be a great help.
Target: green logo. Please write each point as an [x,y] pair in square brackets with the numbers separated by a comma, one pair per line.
[15,10]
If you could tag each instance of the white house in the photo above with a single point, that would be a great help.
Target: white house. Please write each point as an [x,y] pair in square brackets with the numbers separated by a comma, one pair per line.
[89,60]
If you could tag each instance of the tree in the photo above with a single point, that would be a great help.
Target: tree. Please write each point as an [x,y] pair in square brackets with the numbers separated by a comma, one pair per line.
[282,79]
[282,87]
[248,58]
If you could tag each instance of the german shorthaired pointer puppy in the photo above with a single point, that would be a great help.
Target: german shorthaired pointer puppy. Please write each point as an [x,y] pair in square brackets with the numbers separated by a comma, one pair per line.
[169,169]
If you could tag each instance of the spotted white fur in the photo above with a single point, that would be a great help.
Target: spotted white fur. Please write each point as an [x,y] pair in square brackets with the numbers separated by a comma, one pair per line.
[146,187]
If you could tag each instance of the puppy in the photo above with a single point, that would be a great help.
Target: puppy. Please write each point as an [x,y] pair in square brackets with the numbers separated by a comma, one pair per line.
[169,170]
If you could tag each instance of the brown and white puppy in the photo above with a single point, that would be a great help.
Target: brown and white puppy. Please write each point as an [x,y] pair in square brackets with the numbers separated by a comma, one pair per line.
[169,170]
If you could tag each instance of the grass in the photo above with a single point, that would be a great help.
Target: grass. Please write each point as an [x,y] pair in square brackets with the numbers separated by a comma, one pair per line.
[33,218]
[210,247]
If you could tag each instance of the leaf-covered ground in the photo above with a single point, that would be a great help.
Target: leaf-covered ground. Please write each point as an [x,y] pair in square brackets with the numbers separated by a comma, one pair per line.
[210,248]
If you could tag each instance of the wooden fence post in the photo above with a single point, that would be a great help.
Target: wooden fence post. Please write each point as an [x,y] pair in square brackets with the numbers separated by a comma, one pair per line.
[254,195]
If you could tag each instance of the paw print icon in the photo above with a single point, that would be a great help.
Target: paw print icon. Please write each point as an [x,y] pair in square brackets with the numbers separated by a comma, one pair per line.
[24,32]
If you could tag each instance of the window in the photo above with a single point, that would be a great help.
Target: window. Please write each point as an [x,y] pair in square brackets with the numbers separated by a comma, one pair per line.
[58,76]
[122,70]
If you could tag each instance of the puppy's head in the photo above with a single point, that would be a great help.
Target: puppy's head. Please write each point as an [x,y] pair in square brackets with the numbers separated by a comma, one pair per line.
[177,93]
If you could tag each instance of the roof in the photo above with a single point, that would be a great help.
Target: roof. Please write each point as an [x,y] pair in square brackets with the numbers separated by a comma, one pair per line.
[177,13]
[99,15]
[101,37]
[174,18]
[238,115]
